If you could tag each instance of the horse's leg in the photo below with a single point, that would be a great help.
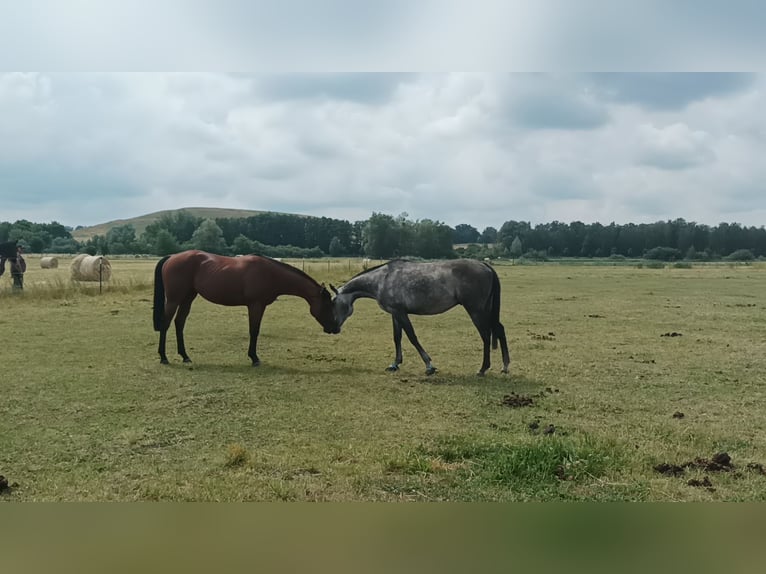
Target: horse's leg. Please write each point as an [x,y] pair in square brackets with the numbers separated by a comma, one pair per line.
[170,310]
[482,322]
[255,314]
[500,334]
[405,323]
[397,345]
[183,313]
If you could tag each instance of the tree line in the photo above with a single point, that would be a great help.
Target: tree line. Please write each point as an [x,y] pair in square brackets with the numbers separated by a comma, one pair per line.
[385,236]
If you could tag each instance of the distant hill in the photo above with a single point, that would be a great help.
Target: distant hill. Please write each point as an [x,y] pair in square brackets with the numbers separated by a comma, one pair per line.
[142,221]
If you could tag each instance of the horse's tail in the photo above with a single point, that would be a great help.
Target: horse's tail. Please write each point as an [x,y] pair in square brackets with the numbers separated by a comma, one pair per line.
[159,295]
[494,302]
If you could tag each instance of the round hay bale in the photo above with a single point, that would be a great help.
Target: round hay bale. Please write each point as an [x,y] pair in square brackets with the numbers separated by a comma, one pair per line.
[91,268]
[49,262]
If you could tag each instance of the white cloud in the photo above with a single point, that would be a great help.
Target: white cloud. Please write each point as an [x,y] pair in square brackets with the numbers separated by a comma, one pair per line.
[674,147]
[461,148]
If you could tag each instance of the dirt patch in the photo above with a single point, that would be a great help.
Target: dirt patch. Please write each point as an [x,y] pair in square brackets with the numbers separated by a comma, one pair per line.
[678,415]
[537,337]
[704,483]
[6,488]
[756,467]
[672,334]
[669,469]
[595,316]
[514,401]
[720,462]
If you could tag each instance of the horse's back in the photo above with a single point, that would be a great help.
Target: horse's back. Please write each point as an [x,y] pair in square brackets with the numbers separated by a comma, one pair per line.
[194,271]
[432,287]
[223,280]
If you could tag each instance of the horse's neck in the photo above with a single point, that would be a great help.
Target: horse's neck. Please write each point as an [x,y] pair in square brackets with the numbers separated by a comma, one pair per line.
[304,288]
[360,287]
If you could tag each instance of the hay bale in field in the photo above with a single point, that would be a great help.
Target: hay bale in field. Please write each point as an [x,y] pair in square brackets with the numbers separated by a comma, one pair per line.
[49,262]
[87,268]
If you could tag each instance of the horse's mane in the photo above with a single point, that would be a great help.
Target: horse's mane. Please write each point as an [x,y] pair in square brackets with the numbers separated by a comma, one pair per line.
[374,268]
[290,268]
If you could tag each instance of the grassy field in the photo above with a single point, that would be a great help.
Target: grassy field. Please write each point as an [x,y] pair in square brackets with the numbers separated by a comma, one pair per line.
[88,413]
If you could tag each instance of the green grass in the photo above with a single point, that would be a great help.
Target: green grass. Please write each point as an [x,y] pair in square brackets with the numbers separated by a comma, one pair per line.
[88,413]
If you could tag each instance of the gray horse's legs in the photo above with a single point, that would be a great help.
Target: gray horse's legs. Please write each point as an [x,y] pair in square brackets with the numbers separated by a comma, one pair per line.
[405,323]
[482,323]
[397,345]
[499,331]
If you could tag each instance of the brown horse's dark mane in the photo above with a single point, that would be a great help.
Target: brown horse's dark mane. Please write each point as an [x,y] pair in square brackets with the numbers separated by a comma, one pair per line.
[290,268]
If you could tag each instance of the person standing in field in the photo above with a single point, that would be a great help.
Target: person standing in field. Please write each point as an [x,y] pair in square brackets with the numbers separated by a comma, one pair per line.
[17,265]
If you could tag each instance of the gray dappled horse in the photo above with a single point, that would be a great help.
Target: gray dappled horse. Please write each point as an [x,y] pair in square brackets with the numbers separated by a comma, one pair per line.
[402,288]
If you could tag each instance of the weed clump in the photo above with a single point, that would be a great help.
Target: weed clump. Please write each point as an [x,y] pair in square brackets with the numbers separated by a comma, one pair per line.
[236,456]
[532,467]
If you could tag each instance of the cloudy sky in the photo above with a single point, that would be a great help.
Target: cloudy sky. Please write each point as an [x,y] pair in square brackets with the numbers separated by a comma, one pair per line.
[84,148]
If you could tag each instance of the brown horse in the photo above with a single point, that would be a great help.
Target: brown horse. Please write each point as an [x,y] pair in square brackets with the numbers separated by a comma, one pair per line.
[250,280]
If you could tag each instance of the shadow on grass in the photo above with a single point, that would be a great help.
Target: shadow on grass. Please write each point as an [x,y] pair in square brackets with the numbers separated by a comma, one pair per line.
[490,382]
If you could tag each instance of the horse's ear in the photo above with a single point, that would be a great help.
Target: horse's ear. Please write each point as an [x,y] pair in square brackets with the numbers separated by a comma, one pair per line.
[334,290]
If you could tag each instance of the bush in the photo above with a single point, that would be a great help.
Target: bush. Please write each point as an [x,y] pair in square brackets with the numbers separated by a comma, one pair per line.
[740,255]
[655,265]
[682,265]
[536,255]
[663,254]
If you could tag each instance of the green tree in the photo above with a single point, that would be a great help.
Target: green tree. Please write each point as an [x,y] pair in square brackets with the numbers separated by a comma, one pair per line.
[432,240]
[122,238]
[36,244]
[465,233]
[209,237]
[489,235]
[242,245]
[165,243]
[336,247]
[381,236]
[63,245]
[516,248]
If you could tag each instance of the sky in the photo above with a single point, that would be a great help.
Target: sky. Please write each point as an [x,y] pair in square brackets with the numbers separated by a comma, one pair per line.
[481,149]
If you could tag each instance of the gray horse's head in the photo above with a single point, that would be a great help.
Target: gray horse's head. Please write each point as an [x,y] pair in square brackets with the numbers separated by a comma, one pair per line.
[343,307]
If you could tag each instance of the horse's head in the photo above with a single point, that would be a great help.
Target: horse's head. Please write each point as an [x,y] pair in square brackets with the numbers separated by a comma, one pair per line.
[323,311]
[344,307]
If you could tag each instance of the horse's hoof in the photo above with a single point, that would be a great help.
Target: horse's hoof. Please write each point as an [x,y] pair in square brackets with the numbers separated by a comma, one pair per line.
[430,371]
[187,360]
[256,363]
[505,371]
[164,362]
[480,374]
[392,368]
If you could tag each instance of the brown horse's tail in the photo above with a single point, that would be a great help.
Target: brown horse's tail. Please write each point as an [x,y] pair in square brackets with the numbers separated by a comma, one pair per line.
[159,295]
[494,297]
